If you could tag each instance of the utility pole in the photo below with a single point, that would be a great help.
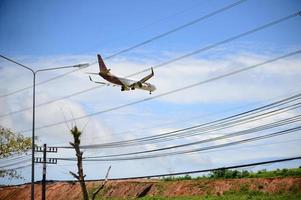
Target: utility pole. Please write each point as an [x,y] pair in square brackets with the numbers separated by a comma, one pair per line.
[45,161]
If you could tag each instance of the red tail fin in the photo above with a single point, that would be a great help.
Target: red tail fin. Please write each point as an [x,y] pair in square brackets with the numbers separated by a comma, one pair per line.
[102,66]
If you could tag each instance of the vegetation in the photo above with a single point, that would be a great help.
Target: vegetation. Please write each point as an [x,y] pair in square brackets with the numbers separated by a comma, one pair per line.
[225,173]
[12,144]
[228,196]
[244,191]
[238,196]
[178,178]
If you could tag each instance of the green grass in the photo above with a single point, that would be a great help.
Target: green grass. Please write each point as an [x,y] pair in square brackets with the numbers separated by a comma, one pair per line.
[243,194]
[225,173]
[277,173]
[232,196]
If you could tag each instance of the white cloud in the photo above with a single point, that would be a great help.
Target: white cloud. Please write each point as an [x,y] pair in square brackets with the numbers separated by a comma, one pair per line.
[264,83]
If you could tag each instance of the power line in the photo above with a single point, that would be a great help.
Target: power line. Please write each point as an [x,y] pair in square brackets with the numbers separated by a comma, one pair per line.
[166,17]
[224,41]
[13,158]
[15,163]
[18,167]
[220,124]
[251,146]
[231,135]
[209,170]
[59,76]
[265,127]
[37,84]
[182,133]
[226,136]
[182,120]
[168,62]
[49,102]
[229,149]
[141,43]
[206,170]
[283,132]
[194,171]
[179,27]
[172,91]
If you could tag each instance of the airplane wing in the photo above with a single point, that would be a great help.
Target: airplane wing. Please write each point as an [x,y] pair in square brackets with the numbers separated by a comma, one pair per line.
[93,73]
[147,77]
[103,83]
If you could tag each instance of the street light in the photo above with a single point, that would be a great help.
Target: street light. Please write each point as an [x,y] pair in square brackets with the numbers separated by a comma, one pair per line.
[34,72]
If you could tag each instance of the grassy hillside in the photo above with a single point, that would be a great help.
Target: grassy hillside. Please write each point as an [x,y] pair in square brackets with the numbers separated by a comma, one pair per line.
[230,185]
[226,196]
[225,173]
[280,185]
[232,197]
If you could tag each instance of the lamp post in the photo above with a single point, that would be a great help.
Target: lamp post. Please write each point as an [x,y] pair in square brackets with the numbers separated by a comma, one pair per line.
[34,73]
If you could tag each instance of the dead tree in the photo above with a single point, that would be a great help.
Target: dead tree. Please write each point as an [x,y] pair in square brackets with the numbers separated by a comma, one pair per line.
[79,154]
[80,174]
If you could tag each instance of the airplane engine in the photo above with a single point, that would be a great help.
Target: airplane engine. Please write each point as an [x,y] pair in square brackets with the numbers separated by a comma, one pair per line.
[139,84]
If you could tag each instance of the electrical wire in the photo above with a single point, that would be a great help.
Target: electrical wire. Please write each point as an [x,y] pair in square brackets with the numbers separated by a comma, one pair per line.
[167,62]
[141,43]
[226,149]
[13,158]
[164,124]
[37,84]
[212,169]
[17,168]
[171,91]
[216,125]
[179,28]
[16,163]
[227,136]
[283,132]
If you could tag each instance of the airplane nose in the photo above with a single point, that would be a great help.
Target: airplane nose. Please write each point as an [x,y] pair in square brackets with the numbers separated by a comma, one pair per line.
[153,88]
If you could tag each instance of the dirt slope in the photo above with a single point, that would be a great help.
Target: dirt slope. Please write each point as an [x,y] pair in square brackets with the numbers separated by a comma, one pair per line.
[136,188]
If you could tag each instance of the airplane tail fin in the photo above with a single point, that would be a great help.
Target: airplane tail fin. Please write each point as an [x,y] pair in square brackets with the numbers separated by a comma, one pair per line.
[102,66]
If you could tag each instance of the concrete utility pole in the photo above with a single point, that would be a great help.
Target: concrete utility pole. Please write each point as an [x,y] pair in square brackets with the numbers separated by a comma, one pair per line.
[45,161]
[44,174]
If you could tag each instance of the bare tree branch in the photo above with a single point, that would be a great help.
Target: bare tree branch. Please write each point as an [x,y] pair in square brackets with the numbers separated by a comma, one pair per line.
[102,185]
[74,175]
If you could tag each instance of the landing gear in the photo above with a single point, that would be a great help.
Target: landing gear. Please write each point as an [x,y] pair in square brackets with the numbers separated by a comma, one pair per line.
[122,88]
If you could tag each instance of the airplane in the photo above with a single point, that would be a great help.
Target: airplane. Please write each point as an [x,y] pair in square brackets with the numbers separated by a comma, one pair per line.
[126,84]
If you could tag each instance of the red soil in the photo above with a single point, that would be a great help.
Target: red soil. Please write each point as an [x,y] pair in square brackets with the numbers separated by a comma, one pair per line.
[135,188]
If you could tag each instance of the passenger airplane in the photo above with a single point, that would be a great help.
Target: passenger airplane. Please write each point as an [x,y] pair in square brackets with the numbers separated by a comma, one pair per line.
[126,84]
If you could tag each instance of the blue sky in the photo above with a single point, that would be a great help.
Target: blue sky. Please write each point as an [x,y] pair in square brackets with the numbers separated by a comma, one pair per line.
[76,27]
[58,33]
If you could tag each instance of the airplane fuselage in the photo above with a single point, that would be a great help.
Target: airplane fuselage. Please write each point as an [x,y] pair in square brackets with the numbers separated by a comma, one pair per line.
[127,84]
